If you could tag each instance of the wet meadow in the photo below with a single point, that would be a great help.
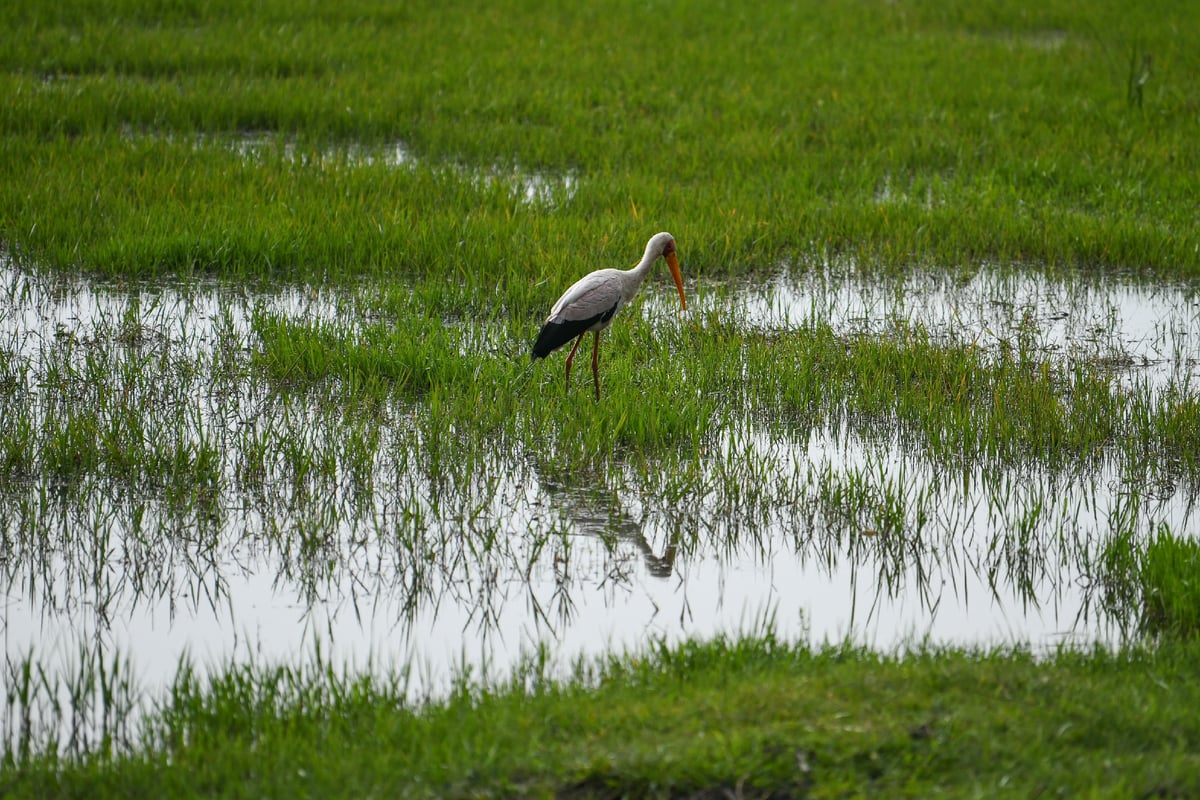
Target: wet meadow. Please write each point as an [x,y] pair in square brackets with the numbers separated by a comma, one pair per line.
[905,501]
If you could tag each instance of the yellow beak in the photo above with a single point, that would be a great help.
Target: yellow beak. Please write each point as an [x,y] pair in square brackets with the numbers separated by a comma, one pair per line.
[673,264]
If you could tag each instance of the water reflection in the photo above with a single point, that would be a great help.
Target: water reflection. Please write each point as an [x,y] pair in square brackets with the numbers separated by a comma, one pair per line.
[591,513]
[237,519]
[532,187]
[1142,331]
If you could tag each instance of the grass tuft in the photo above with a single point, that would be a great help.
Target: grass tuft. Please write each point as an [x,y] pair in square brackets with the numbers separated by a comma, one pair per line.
[1170,582]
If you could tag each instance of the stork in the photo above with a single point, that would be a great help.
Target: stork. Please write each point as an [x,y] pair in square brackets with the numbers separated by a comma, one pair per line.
[592,302]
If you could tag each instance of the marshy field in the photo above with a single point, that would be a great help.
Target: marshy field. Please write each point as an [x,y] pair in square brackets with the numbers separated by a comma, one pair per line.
[903,504]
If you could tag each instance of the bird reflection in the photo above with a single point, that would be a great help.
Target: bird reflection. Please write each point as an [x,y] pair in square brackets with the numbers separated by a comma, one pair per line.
[658,566]
[590,516]
[593,513]
[609,523]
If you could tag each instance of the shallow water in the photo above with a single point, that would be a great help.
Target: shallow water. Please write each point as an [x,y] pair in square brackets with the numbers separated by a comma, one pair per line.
[529,186]
[395,570]
[1144,331]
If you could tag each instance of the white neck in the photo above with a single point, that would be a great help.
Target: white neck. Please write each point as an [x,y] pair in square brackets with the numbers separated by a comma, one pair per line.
[654,250]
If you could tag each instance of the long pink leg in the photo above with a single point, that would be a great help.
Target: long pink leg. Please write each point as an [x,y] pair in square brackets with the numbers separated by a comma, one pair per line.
[596,363]
[572,356]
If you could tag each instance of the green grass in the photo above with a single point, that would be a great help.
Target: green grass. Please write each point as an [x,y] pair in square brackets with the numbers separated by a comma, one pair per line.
[1016,406]
[1170,583]
[144,142]
[753,716]
[894,135]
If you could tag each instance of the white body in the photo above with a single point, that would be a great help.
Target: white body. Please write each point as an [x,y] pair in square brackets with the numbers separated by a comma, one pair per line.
[606,290]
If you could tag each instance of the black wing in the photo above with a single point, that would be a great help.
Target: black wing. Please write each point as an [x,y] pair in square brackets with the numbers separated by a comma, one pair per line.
[555,334]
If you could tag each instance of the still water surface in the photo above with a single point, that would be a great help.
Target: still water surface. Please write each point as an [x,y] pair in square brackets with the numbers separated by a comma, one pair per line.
[388,572]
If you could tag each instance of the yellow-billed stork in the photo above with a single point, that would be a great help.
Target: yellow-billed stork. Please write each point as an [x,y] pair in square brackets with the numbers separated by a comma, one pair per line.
[592,302]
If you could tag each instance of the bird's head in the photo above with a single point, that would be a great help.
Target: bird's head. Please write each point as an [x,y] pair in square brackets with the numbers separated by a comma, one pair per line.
[663,244]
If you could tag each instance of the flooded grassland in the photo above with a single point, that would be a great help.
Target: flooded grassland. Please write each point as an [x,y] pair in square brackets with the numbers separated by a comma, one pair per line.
[905,498]
[203,474]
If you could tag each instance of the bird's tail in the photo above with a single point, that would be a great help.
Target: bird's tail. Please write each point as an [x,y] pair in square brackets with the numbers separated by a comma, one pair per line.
[555,334]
